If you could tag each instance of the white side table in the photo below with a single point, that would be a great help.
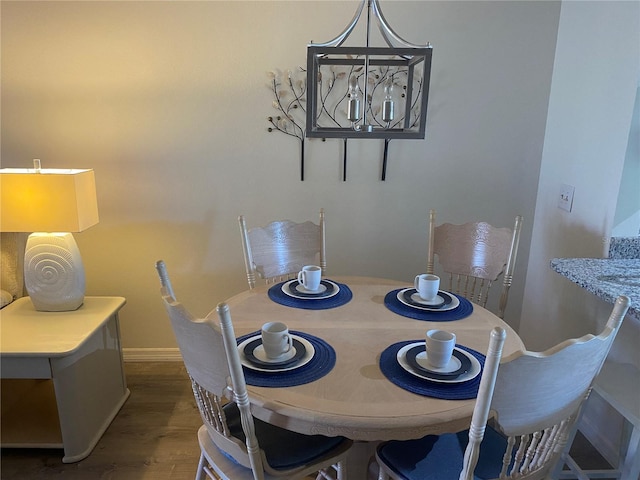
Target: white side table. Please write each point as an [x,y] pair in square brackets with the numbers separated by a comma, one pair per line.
[62,375]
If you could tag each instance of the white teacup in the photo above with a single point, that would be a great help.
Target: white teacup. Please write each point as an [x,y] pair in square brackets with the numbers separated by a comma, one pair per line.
[427,286]
[439,345]
[276,340]
[310,277]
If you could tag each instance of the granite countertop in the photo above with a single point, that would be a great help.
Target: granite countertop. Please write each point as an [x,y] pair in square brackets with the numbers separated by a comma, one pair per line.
[606,278]
[624,247]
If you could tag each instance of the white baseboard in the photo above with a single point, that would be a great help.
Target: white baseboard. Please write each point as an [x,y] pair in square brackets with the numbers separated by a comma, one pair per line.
[151,355]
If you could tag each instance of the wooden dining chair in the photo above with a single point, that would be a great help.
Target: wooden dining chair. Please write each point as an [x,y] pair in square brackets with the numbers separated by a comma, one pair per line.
[473,256]
[279,250]
[234,445]
[536,402]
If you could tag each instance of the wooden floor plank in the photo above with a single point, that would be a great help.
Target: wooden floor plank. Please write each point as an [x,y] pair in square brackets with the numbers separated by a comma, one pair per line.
[152,438]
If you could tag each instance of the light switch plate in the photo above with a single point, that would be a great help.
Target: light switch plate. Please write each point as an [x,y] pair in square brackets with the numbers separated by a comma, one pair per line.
[565,200]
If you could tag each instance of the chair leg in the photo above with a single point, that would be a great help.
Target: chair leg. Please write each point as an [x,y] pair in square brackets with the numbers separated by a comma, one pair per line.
[340,472]
[382,474]
[200,472]
[325,475]
[574,472]
[631,467]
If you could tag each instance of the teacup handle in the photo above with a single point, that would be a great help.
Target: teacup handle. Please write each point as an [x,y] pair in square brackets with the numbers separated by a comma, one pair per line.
[301,277]
[289,343]
[416,282]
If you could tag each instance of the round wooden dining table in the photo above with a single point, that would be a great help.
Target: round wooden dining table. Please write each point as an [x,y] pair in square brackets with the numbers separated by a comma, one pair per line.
[355,399]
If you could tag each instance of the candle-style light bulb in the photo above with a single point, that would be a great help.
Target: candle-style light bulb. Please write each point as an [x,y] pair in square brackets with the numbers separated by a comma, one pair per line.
[353,110]
[387,104]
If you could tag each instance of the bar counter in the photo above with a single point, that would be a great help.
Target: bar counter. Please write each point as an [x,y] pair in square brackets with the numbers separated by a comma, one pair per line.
[607,278]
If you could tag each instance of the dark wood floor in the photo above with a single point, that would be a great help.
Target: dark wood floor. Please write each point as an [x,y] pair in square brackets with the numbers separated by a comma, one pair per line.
[152,438]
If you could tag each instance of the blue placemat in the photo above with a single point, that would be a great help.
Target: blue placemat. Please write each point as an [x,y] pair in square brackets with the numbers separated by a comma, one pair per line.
[397,375]
[322,363]
[343,296]
[461,311]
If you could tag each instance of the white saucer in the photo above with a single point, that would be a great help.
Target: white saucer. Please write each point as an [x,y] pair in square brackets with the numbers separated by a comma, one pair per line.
[321,289]
[328,292]
[444,308]
[453,365]
[472,373]
[261,355]
[310,352]
[435,302]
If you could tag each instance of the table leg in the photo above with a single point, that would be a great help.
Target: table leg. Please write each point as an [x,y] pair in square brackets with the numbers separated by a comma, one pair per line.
[358,460]
[90,389]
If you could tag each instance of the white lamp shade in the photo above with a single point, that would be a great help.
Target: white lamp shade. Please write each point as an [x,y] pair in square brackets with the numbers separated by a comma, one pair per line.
[53,200]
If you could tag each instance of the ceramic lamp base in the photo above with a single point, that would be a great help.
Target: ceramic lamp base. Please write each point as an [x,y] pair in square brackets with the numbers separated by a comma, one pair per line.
[53,272]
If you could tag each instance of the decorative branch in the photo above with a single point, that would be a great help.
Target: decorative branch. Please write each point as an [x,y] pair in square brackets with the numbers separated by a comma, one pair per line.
[290,110]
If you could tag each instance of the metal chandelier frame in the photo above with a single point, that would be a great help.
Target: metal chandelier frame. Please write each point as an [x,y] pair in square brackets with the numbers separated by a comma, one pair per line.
[413,59]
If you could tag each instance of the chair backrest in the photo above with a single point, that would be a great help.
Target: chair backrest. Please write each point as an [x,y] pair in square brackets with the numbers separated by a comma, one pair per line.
[213,363]
[474,255]
[279,251]
[538,396]
[483,402]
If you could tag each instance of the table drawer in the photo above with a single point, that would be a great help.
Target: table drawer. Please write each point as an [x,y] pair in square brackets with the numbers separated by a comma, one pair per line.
[25,367]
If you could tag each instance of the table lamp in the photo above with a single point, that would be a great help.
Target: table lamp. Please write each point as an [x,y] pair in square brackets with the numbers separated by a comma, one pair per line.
[50,203]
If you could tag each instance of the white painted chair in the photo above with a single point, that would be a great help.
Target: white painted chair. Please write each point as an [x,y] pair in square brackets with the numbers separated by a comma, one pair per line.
[279,250]
[234,445]
[536,401]
[473,256]
[406,459]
